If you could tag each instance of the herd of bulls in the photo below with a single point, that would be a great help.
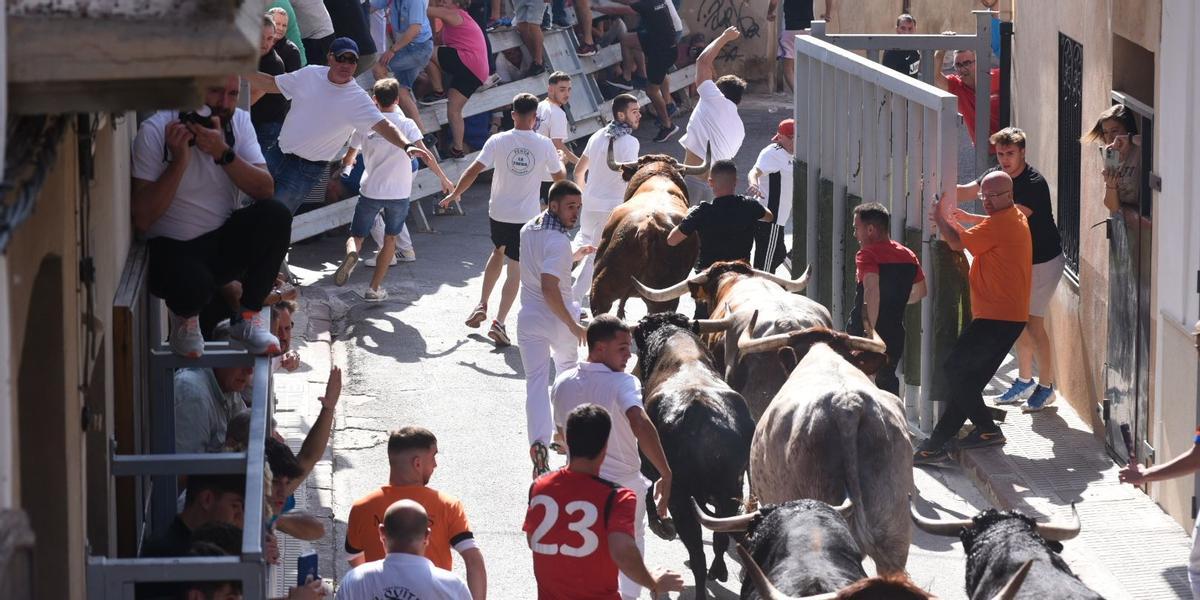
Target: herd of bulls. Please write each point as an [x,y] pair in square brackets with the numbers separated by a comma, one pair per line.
[767,388]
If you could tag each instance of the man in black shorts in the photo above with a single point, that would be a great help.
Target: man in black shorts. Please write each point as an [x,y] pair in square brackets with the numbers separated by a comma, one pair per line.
[658,42]
[519,157]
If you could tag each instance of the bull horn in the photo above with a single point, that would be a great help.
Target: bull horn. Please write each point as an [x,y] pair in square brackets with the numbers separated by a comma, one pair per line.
[791,285]
[748,344]
[765,588]
[1010,589]
[736,524]
[845,508]
[713,325]
[663,295]
[612,162]
[946,527]
[866,344]
[1060,532]
[701,168]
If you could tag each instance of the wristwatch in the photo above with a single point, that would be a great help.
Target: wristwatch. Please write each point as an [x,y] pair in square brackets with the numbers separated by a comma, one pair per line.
[226,158]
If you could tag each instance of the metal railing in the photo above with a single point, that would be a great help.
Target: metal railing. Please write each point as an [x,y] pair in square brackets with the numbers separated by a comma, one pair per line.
[115,578]
[870,134]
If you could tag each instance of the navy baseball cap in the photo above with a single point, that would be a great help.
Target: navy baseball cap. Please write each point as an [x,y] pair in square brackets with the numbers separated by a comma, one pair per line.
[343,45]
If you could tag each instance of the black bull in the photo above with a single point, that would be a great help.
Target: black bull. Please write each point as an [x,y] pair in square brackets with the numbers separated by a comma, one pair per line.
[705,428]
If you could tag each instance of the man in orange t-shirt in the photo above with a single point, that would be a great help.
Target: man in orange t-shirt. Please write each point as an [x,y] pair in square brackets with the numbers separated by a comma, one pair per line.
[412,458]
[1001,276]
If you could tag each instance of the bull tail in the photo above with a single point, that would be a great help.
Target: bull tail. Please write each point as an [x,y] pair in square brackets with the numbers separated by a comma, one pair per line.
[847,422]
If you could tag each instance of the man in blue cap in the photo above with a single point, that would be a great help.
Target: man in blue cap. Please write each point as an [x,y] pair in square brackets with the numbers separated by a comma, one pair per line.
[327,107]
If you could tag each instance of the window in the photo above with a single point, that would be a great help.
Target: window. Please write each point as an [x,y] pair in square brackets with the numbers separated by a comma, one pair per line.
[1070,127]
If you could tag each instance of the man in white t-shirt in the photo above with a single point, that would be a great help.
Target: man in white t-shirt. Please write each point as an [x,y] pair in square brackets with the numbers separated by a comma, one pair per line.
[327,107]
[187,179]
[386,186]
[771,183]
[404,572]
[548,326]
[552,122]
[715,123]
[520,157]
[602,380]
[604,188]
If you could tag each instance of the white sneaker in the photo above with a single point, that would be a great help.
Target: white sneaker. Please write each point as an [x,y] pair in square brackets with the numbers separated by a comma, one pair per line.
[345,269]
[405,256]
[186,339]
[374,295]
[370,262]
[255,335]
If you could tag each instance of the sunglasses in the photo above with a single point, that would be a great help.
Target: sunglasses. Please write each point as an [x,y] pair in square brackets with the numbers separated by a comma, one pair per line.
[346,59]
[966,64]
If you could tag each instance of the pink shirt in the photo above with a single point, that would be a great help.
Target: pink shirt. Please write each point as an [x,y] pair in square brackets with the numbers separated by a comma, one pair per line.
[467,39]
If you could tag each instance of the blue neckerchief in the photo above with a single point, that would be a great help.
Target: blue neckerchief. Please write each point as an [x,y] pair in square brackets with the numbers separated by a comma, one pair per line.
[616,129]
[547,220]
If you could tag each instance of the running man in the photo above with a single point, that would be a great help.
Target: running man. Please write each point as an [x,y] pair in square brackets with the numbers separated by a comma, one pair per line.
[552,122]
[771,182]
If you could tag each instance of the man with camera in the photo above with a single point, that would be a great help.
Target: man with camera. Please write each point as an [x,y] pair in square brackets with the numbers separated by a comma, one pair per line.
[327,107]
[189,170]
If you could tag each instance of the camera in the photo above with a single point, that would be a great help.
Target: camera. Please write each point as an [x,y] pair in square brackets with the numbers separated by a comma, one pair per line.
[201,116]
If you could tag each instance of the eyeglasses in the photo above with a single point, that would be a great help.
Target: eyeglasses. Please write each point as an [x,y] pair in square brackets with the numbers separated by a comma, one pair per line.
[993,195]
[966,64]
[346,59]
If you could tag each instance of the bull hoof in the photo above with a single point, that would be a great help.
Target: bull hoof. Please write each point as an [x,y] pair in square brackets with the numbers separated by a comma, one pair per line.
[718,572]
[663,528]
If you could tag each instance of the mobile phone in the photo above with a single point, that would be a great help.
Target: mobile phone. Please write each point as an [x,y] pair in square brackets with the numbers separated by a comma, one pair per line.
[1112,160]
[306,566]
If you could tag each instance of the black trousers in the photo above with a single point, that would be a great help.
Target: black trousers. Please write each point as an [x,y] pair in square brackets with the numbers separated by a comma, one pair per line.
[885,378]
[979,351]
[769,249]
[316,50]
[249,247]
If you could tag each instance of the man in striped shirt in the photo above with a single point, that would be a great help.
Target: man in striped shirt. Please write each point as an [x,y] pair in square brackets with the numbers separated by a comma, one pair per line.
[771,182]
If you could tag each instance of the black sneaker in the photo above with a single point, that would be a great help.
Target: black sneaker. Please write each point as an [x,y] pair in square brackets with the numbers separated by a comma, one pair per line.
[535,69]
[433,98]
[928,454]
[586,50]
[982,439]
[666,133]
[621,84]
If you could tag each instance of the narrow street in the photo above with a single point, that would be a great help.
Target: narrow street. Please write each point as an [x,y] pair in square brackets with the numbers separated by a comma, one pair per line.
[411,361]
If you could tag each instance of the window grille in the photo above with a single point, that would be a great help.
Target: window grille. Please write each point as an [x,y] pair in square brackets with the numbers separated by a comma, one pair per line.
[1070,127]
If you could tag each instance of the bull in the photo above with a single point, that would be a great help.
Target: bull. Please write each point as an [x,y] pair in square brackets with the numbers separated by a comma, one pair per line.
[634,240]
[999,544]
[734,288]
[705,428]
[831,434]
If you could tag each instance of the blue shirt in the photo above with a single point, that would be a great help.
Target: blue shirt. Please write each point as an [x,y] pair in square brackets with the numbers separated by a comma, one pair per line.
[404,13]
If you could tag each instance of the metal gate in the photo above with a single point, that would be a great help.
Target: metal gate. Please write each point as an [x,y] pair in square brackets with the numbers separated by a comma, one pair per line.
[1070,124]
[867,133]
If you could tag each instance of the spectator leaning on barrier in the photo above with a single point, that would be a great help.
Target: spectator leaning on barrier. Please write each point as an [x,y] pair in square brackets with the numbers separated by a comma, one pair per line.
[1031,194]
[770,181]
[210,499]
[797,20]
[327,107]
[603,188]
[386,187]
[654,45]
[889,278]
[410,52]
[527,18]
[715,123]
[519,156]
[267,111]
[962,85]
[907,62]
[205,400]
[188,173]
[463,57]
[1000,279]
[412,458]
[406,530]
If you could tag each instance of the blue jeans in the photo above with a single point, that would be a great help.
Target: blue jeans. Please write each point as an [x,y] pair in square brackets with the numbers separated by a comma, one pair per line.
[295,178]
[410,61]
[394,214]
[268,137]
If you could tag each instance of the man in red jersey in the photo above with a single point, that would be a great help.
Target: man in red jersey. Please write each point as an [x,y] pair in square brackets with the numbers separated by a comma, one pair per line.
[580,527]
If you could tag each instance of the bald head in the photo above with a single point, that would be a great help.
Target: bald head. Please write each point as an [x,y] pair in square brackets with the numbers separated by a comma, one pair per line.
[996,190]
[405,527]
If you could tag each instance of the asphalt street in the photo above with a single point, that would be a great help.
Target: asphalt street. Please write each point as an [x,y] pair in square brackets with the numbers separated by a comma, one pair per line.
[410,360]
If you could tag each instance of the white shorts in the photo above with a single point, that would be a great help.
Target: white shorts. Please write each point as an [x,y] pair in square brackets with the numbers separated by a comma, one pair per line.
[1046,276]
[787,41]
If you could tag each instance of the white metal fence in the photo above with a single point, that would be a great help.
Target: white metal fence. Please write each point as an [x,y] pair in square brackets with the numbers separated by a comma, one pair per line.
[869,134]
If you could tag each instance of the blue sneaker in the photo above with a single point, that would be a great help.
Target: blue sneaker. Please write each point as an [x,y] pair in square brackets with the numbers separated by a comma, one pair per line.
[1017,393]
[1041,398]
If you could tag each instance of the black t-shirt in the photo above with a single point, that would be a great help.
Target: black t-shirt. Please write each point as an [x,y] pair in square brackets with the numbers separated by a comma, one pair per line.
[289,53]
[175,540]
[726,227]
[659,29]
[898,270]
[907,62]
[797,14]
[1031,191]
[271,108]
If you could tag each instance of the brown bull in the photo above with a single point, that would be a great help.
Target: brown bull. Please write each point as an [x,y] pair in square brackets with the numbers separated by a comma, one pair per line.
[831,434]
[634,241]
[733,288]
